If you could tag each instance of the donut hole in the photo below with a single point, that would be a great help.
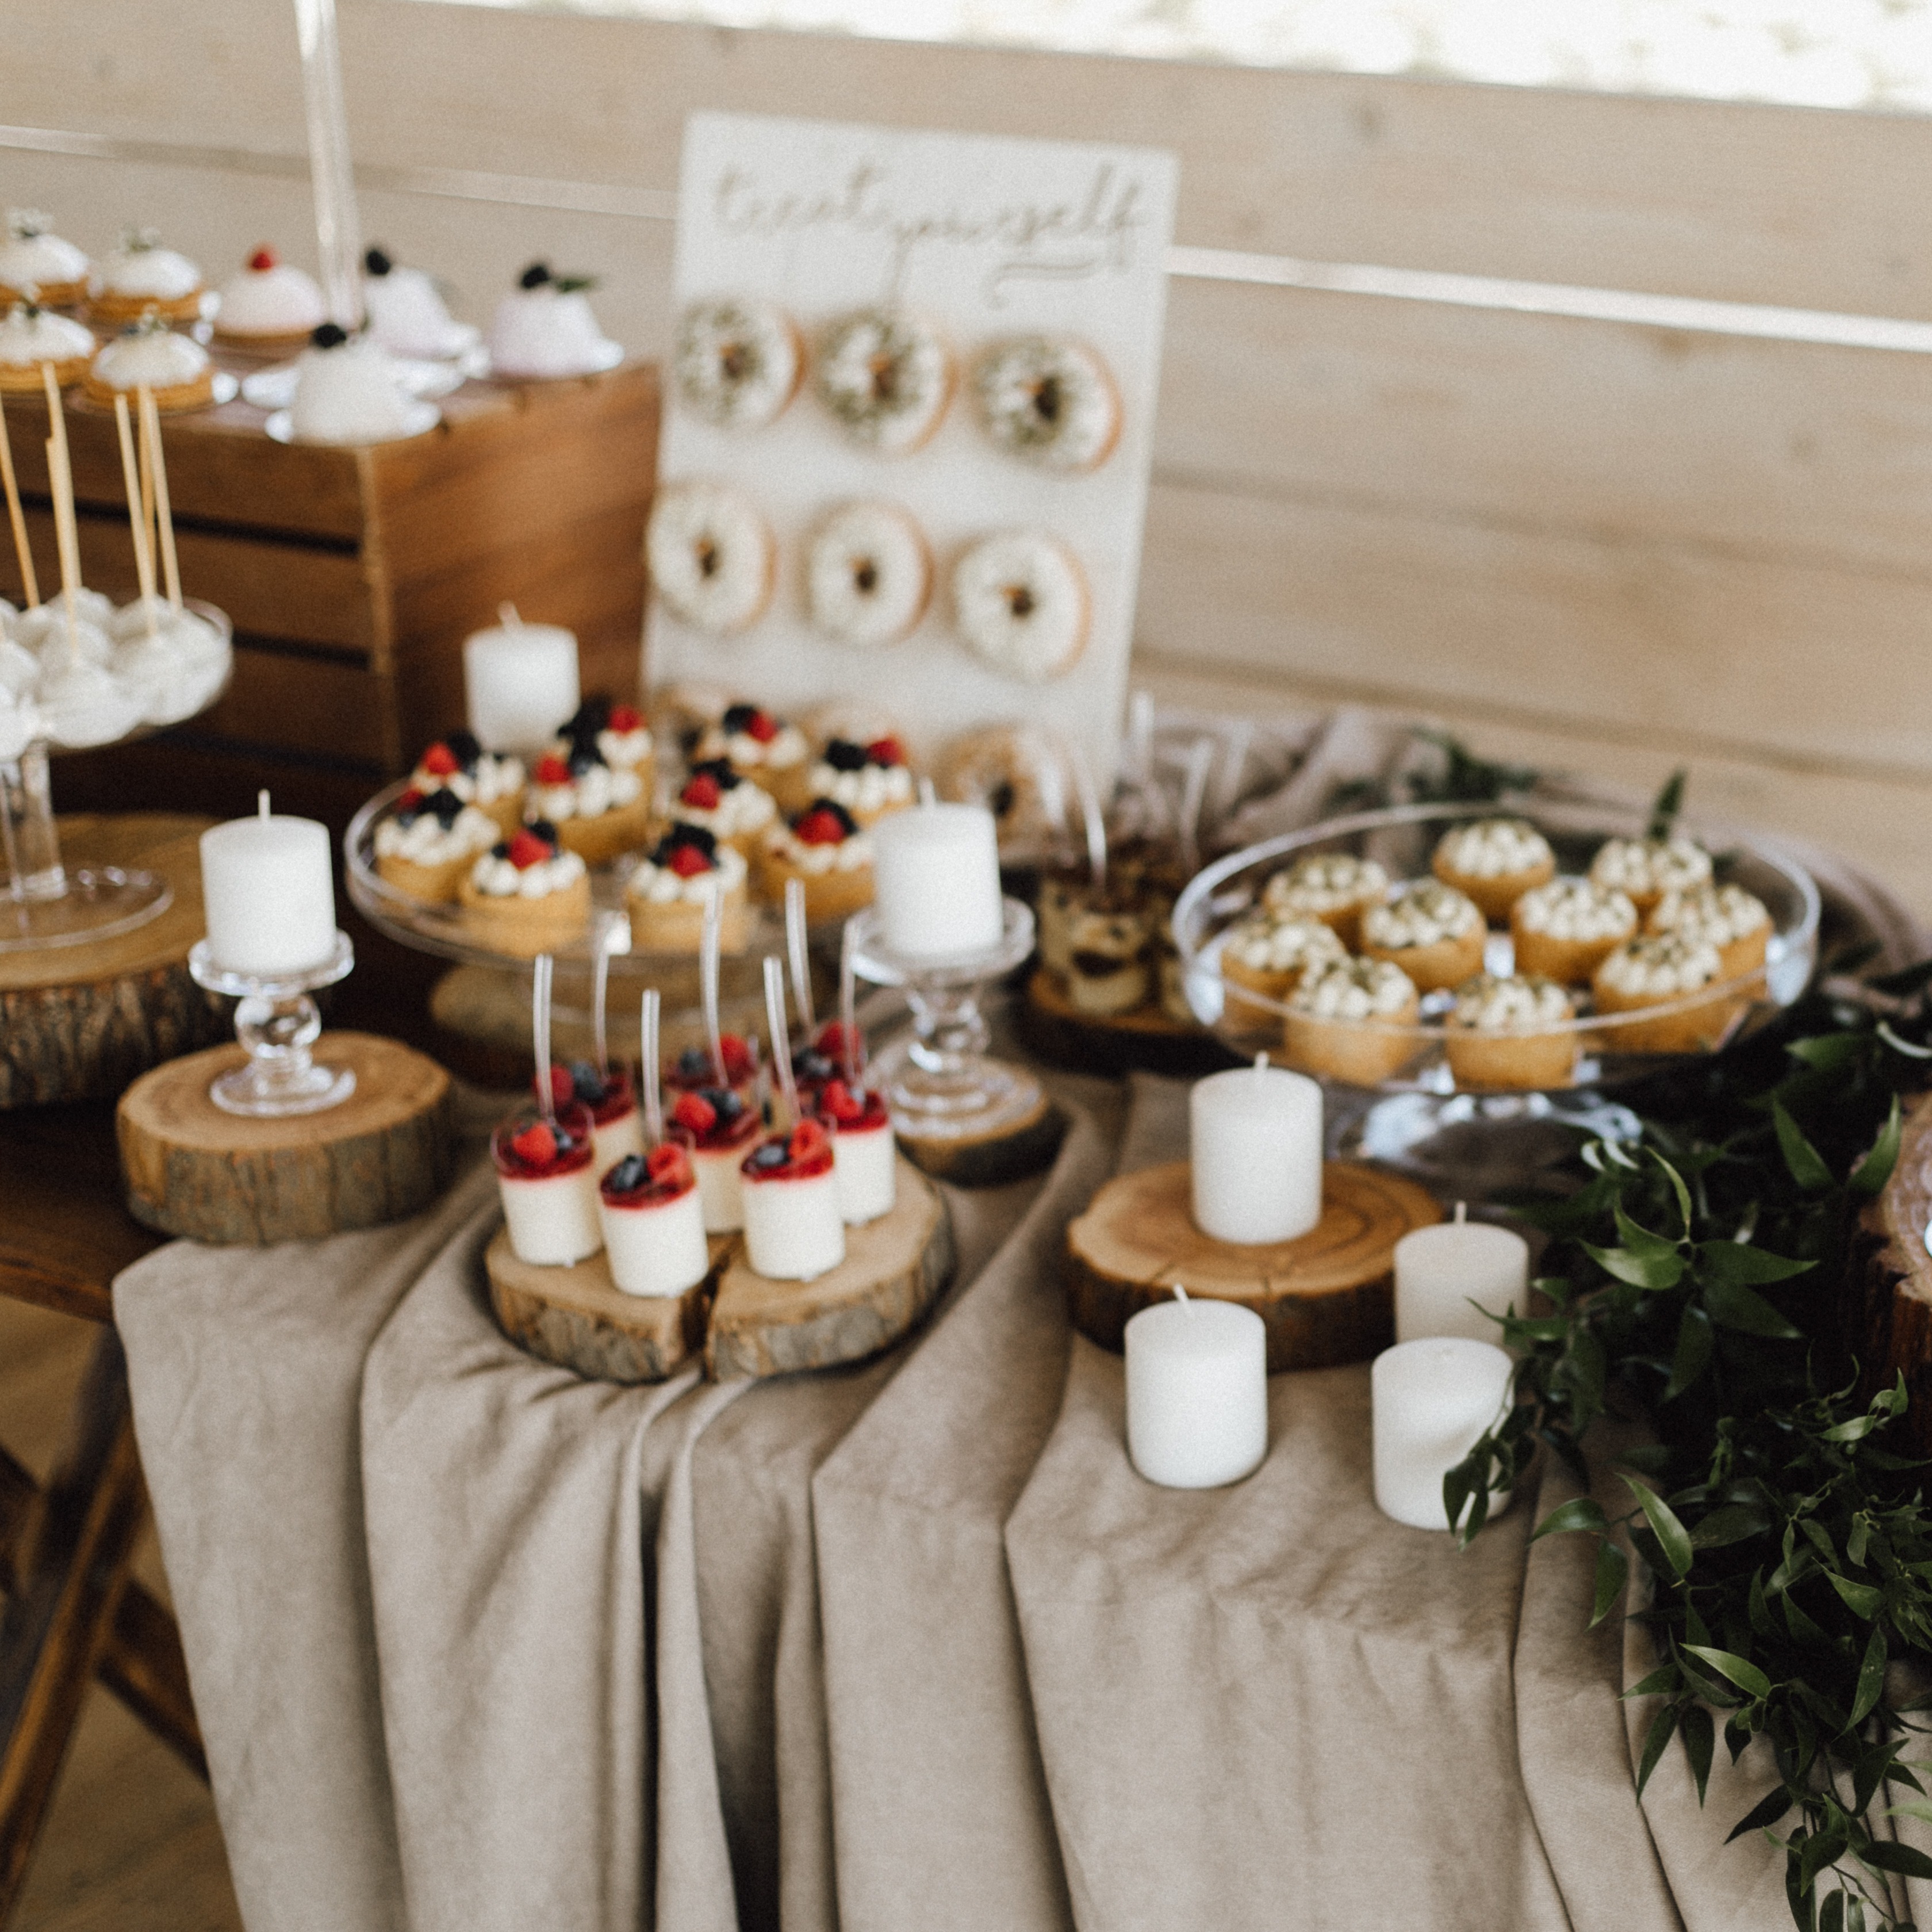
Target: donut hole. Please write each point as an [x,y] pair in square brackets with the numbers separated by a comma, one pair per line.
[864,575]
[1047,399]
[705,551]
[1020,599]
[738,361]
[884,371]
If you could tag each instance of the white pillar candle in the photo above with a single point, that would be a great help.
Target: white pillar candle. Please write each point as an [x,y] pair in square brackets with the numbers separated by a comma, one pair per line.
[1254,1137]
[1197,1392]
[1439,1271]
[1432,1400]
[268,894]
[520,681]
[936,869]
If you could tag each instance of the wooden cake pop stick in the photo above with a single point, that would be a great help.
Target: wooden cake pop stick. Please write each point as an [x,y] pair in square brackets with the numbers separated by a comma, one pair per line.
[144,557]
[29,583]
[66,538]
[796,948]
[150,423]
[648,1092]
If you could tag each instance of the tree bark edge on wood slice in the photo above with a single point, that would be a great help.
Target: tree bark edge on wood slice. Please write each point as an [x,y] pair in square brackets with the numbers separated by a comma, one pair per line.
[1887,1311]
[578,1318]
[896,1268]
[1327,1299]
[1147,1040]
[384,1153]
[993,1160]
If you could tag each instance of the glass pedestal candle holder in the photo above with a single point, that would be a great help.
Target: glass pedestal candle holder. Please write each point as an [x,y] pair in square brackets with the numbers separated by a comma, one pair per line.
[941,1084]
[278,1023]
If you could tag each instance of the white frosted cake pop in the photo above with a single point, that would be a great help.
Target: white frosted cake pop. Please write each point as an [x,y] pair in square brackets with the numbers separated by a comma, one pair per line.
[157,676]
[269,300]
[345,391]
[46,623]
[543,327]
[85,703]
[406,315]
[19,669]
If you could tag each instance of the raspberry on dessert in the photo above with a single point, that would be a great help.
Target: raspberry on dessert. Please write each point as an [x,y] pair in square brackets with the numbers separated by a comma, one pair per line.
[703,792]
[411,801]
[668,1166]
[526,849]
[808,1141]
[831,1041]
[563,1087]
[536,1146]
[753,722]
[625,719]
[264,259]
[551,770]
[694,1112]
[740,1062]
[845,1106]
[826,823]
[687,861]
[441,761]
[886,751]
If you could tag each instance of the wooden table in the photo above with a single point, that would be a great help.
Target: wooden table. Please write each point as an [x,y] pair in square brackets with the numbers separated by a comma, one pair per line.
[72,1612]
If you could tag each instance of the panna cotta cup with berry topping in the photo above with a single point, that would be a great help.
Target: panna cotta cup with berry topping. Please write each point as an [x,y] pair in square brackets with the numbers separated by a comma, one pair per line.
[492,781]
[765,749]
[425,846]
[717,1127]
[794,1217]
[667,894]
[825,850]
[653,1222]
[734,810]
[864,1156]
[546,1172]
[867,780]
[612,1102]
[600,811]
[527,895]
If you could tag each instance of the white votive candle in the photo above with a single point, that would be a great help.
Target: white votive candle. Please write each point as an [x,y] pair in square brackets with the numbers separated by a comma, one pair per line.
[1432,1400]
[937,874]
[1256,1147]
[268,894]
[520,681]
[1440,1271]
[1197,1392]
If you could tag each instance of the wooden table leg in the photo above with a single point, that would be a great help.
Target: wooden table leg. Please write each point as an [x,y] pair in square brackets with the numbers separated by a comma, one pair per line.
[70,1568]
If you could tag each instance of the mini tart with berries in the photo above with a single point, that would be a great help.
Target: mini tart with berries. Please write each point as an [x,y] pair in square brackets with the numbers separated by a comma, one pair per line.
[1267,952]
[425,846]
[529,895]
[1565,930]
[718,1127]
[545,1176]
[1334,887]
[794,1222]
[1494,862]
[1735,922]
[1645,869]
[611,1102]
[492,781]
[825,850]
[667,895]
[620,734]
[734,810]
[1653,970]
[1507,1031]
[599,812]
[1352,1021]
[1433,932]
[867,780]
[766,750]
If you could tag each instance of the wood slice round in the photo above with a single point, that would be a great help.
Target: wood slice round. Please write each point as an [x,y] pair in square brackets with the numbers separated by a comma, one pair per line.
[80,1022]
[1149,1040]
[991,1160]
[895,1269]
[1327,1299]
[1888,1307]
[385,1153]
[579,1318]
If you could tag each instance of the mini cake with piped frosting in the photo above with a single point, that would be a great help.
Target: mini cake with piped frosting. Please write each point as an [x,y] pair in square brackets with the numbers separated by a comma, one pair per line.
[431,839]
[825,849]
[1267,952]
[867,780]
[269,306]
[864,1157]
[1657,969]
[492,781]
[794,1222]
[599,810]
[1511,1031]
[717,1126]
[1565,930]
[667,894]
[1494,861]
[32,338]
[734,810]
[765,749]
[1334,887]
[653,1222]
[141,275]
[547,1178]
[149,355]
[1348,1021]
[612,1102]
[1644,869]
[1433,932]
[1738,923]
[527,895]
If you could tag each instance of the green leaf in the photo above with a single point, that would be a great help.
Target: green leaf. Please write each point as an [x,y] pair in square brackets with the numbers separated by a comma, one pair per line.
[1672,1537]
[1579,1513]
[1871,1174]
[1678,1187]
[1856,1430]
[1861,1598]
[1695,1342]
[1640,1241]
[1661,1726]
[1871,1679]
[1765,1813]
[1831,1913]
[1669,803]
[1737,1265]
[1612,1573]
[1888,1855]
[1652,1271]
[1804,1162]
[1743,1308]
[1742,1672]
[1733,1523]
[1699,1736]
[1827,1051]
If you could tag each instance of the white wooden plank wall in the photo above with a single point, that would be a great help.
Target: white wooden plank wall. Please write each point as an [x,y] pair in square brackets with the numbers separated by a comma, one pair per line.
[1611,545]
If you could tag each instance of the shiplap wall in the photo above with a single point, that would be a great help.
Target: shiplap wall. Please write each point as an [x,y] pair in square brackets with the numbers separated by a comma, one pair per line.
[1613,546]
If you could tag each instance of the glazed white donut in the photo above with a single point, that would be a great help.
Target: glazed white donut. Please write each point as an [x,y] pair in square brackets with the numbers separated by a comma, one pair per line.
[711,556]
[886,377]
[1019,597]
[867,574]
[737,363]
[1048,400]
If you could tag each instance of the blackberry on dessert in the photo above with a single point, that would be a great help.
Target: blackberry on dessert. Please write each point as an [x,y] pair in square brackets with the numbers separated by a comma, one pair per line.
[668,893]
[867,780]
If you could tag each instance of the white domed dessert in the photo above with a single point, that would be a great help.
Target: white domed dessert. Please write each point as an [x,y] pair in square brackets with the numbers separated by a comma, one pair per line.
[157,677]
[270,305]
[31,337]
[407,316]
[346,391]
[148,355]
[43,628]
[141,275]
[543,327]
[35,264]
[85,703]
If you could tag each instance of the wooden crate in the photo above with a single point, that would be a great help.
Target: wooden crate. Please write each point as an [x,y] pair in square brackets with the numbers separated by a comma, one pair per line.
[353,575]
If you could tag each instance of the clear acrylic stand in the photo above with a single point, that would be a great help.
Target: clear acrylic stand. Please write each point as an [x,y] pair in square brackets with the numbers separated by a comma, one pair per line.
[278,1023]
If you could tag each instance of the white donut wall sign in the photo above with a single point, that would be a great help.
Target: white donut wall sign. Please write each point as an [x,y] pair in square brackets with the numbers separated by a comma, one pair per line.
[885,376]
[712,556]
[867,574]
[1050,400]
[1020,601]
[737,362]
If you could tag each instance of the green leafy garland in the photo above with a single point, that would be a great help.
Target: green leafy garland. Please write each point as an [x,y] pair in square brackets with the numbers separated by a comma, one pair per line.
[1697,1279]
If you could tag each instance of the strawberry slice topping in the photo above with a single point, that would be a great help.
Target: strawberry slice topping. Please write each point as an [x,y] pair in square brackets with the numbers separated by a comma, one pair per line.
[625,719]
[440,761]
[762,726]
[552,770]
[536,1145]
[886,751]
[820,828]
[264,259]
[687,861]
[703,792]
[694,1112]
[669,1165]
[527,849]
